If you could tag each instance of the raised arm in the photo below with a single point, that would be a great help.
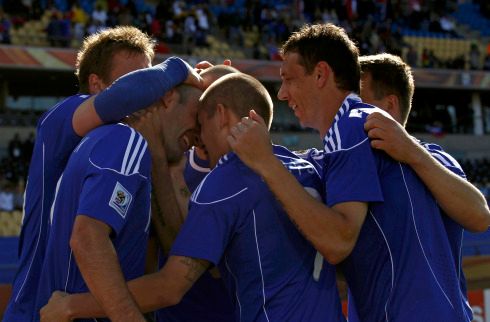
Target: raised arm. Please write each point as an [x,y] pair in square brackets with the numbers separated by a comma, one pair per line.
[456,196]
[99,265]
[332,231]
[132,92]
[157,290]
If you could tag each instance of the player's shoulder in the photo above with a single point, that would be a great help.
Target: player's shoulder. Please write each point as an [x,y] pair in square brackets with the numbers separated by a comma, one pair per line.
[443,157]
[347,130]
[63,108]
[120,148]
[225,182]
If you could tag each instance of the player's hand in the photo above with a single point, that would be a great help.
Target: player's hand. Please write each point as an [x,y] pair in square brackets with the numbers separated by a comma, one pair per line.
[193,78]
[204,64]
[250,140]
[388,135]
[148,123]
[56,309]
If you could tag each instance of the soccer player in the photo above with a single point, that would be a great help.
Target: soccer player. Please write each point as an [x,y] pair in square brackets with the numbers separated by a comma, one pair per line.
[379,222]
[100,215]
[387,82]
[103,58]
[208,298]
[235,222]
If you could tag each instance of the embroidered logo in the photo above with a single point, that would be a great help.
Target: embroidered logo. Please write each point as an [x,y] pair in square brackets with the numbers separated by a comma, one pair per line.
[120,199]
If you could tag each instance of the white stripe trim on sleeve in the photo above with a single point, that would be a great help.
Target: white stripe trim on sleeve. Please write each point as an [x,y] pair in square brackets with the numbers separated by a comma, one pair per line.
[142,153]
[128,149]
[134,154]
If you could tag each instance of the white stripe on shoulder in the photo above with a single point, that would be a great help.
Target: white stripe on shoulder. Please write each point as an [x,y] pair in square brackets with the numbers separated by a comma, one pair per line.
[142,153]
[128,149]
[134,154]
[337,136]
[448,159]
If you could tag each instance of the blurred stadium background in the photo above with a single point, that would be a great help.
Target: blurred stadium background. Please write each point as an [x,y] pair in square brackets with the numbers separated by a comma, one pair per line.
[447,43]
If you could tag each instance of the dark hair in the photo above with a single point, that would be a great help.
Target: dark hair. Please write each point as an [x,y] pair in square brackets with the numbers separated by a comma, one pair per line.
[240,93]
[329,43]
[390,75]
[95,56]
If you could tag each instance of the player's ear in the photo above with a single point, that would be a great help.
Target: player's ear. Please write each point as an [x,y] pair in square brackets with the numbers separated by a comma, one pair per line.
[95,84]
[393,104]
[321,73]
[222,113]
[170,98]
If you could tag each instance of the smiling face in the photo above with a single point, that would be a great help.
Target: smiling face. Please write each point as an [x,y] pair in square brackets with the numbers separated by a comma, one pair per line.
[180,117]
[298,89]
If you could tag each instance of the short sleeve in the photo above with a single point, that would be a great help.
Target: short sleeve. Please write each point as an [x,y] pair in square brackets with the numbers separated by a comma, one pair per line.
[118,169]
[351,171]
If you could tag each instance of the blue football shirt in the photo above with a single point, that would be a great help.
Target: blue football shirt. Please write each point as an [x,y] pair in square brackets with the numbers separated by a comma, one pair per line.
[107,178]
[236,223]
[454,230]
[402,267]
[208,298]
[55,140]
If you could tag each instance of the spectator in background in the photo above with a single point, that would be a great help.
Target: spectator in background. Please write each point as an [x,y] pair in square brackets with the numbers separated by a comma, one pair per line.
[28,146]
[6,196]
[412,57]
[486,62]
[100,15]
[15,147]
[5,25]
[474,57]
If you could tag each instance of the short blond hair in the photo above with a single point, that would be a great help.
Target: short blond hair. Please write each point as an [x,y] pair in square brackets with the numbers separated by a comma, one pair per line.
[95,55]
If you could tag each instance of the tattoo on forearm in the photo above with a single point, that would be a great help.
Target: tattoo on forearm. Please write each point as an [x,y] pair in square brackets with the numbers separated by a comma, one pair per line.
[157,209]
[195,268]
[184,192]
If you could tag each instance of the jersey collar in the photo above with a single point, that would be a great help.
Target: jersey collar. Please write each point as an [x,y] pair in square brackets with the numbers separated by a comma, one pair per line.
[349,101]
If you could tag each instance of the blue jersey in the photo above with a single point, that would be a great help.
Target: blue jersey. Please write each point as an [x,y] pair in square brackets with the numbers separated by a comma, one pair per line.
[107,178]
[402,267]
[55,140]
[208,298]
[236,223]
[195,169]
[314,156]
[454,230]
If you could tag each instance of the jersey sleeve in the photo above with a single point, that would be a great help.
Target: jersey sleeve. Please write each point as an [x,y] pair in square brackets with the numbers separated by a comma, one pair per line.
[445,159]
[118,169]
[351,171]
[55,128]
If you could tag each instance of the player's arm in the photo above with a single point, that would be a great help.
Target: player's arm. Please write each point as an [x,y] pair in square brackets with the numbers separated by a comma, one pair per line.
[97,260]
[457,197]
[132,92]
[332,231]
[170,195]
[151,292]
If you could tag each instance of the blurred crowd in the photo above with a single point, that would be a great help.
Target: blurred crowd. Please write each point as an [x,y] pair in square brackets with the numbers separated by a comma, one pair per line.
[182,26]
[13,172]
